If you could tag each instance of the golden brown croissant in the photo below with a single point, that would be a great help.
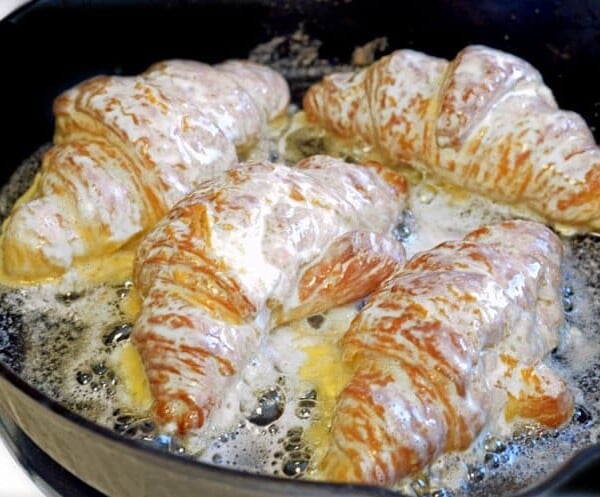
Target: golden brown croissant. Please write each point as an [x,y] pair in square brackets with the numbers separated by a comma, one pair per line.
[127,148]
[454,339]
[254,247]
[484,121]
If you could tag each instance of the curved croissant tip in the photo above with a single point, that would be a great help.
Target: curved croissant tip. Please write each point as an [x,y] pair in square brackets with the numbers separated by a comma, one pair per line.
[177,416]
[34,254]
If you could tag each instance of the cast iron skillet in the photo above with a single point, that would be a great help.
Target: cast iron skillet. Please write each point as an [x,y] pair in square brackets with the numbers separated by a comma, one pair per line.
[50,45]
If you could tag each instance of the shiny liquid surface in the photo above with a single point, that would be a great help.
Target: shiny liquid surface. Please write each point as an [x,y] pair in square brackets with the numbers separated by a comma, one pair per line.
[69,338]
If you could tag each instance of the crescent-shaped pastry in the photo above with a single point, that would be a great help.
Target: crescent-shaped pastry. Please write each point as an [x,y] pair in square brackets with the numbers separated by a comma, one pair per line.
[484,121]
[457,337]
[252,248]
[127,148]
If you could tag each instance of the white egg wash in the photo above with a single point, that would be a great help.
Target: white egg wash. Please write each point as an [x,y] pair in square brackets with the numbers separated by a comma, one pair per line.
[70,339]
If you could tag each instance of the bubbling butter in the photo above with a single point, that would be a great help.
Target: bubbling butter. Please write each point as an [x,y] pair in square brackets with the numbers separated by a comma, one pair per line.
[70,339]
[128,366]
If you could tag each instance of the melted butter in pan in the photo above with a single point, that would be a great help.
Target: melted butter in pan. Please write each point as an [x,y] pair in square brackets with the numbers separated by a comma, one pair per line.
[69,338]
[128,366]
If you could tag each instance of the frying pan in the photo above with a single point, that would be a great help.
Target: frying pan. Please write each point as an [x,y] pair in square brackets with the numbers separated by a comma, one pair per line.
[49,46]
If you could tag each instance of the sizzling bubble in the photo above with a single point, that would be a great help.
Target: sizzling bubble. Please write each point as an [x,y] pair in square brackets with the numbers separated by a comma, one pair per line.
[118,334]
[405,227]
[269,407]
[582,415]
[316,321]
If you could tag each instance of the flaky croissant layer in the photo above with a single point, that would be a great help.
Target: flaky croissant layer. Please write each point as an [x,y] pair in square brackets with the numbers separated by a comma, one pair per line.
[127,148]
[452,341]
[254,247]
[484,121]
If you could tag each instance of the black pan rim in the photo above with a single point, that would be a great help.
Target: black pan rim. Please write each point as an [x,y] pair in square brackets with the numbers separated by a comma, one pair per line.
[562,474]
[39,397]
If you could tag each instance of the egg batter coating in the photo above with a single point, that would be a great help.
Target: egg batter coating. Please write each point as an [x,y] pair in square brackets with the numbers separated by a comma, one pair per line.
[250,249]
[484,121]
[456,338]
[127,148]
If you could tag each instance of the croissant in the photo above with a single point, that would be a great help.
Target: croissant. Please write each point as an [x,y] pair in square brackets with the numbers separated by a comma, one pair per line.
[249,249]
[127,148]
[455,337]
[484,121]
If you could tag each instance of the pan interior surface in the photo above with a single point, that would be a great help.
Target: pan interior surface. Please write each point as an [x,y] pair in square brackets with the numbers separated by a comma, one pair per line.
[63,337]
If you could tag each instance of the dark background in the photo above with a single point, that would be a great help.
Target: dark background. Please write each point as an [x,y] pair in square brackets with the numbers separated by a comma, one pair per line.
[52,44]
